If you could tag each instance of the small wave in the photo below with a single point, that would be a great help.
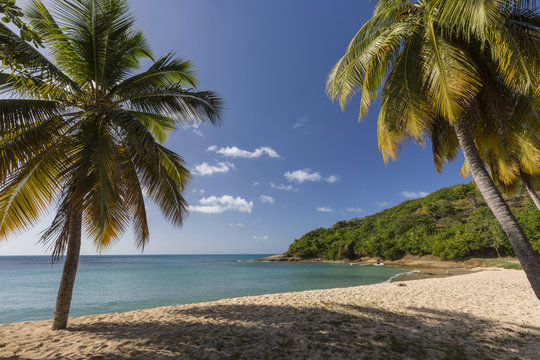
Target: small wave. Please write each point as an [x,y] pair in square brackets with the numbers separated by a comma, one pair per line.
[400,274]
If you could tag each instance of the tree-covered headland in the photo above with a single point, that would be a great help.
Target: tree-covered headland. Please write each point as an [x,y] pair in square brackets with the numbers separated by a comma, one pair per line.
[452,223]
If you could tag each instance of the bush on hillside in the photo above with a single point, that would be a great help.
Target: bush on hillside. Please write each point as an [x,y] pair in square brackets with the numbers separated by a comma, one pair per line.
[452,223]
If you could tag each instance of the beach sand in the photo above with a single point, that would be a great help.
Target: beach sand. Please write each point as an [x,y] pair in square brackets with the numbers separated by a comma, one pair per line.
[489,314]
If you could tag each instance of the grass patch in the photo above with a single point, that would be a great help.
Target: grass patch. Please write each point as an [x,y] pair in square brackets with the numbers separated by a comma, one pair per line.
[401,346]
[454,352]
[502,263]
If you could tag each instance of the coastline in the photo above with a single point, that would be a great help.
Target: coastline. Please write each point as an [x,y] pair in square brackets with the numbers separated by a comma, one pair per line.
[491,313]
[422,267]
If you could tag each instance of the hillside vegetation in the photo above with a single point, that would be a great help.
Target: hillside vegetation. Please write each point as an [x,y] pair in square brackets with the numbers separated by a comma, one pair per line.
[452,223]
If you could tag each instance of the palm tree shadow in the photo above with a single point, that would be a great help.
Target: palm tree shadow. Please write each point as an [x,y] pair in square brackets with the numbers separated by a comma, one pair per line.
[280,332]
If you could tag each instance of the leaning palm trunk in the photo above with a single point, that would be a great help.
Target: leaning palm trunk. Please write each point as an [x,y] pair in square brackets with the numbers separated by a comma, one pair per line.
[529,259]
[530,189]
[63,301]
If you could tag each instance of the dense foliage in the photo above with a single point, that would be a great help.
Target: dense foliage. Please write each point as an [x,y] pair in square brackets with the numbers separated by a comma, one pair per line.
[451,223]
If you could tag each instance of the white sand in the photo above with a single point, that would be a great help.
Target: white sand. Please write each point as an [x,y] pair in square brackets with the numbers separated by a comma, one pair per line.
[491,314]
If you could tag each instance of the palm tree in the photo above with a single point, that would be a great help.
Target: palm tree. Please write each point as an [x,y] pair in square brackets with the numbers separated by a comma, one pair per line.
[442,68]
[85,132]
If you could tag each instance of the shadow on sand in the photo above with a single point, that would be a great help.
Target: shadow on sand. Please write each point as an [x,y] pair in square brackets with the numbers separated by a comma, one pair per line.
[283,332]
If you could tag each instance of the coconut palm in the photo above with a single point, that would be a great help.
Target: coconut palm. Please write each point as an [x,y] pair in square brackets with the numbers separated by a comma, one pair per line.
[84,132]
[442,68]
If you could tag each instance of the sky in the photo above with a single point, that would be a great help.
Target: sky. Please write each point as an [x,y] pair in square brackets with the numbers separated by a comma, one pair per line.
[286,160]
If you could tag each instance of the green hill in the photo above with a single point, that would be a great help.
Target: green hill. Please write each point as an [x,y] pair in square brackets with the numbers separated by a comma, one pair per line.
[452,223]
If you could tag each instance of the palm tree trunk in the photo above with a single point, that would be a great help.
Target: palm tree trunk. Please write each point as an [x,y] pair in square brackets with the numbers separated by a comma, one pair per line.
[527,181]
[63,300]
[529,259]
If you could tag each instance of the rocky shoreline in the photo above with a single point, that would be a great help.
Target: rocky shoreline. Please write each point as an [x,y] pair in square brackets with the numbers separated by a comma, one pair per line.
[427,266]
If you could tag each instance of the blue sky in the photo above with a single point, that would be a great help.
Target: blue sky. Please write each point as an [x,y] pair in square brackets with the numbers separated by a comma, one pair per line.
[286,159]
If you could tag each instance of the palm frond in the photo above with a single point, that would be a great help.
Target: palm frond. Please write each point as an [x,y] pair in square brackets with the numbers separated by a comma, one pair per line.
[516,51]
[56,236]
[19,146]
[159,126]
[42,77]
[389,140]
[161,173]
[166,191]
[465,170]
[21,114]
[404,102]
[387,7]
[55,38]
[471,18]
[134,199]
[93,40]
[27,193]
[166,71]
[177,103]
[379,58]
[105,216]
[444,143]
[122,57]
[348,75]
[449,74]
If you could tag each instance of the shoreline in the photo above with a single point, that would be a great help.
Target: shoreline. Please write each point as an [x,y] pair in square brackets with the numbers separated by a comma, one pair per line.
[422,267]
[491,313]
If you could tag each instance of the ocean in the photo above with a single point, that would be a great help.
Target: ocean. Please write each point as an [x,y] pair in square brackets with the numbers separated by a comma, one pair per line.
[104,284]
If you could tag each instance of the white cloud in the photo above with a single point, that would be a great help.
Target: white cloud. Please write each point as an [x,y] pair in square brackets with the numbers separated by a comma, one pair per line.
[263,237]
[217,205]
[283,187]
[234,152]
[356,209]
[194,127]
[332,179]
[207,169]
[414,195]
[325,209]
[267,199]
[300,122]
[302,175]
[239,225]
[255,183]
[382,203]
[201,191]
[308,175]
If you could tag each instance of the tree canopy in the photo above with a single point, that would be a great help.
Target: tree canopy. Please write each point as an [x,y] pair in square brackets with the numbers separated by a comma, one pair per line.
[452,223]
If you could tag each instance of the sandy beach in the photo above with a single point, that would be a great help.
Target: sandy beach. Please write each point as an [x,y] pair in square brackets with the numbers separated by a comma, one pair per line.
[489,314]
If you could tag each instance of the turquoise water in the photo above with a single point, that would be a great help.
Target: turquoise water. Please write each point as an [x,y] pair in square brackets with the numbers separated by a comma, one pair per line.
[28,284]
